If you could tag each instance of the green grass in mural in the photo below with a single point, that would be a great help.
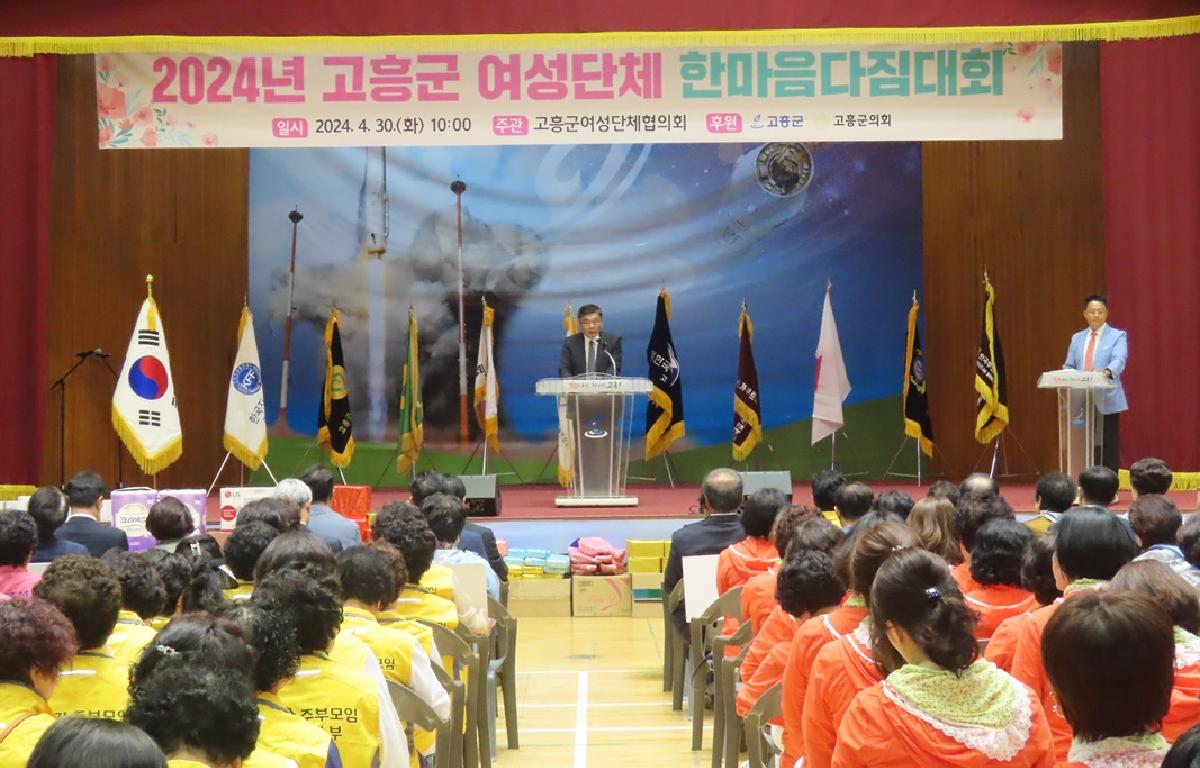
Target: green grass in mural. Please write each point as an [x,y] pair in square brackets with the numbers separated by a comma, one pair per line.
[873,433]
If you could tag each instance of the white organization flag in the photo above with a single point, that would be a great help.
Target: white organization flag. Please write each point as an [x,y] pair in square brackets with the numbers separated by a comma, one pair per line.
[831,386]
[245,414]
[487,388]
[144,412]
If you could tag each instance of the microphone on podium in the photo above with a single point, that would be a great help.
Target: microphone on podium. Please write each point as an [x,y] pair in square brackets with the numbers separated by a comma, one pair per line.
[604,348]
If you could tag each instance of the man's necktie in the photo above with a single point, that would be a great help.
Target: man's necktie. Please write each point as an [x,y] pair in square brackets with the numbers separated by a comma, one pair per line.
[1090,353]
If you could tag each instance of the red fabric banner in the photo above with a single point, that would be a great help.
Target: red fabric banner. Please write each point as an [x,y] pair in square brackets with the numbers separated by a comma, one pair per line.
[387,17]
[1150,128]
[26,144]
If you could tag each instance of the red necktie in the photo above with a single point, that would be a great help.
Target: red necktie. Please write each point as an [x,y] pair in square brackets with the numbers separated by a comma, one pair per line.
[1090,352]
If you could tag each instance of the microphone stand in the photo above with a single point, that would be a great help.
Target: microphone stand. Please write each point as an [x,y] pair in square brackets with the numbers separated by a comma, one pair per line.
[61,385]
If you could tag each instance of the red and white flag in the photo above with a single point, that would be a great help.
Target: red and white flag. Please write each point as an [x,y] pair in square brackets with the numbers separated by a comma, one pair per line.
[831,386]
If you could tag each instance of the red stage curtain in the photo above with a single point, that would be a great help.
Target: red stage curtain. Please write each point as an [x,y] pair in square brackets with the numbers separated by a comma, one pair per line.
[26,143]
[388,17]
[1151,148]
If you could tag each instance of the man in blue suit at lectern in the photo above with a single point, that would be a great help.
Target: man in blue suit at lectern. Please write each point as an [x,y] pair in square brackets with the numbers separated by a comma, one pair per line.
[1100,347]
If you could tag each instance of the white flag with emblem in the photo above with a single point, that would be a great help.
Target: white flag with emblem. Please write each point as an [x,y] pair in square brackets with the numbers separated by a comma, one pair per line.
[144,412]
[245,414]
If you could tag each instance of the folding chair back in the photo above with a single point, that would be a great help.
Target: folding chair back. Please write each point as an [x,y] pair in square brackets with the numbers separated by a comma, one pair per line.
[413,710]
[768,707]
[727,727]
[704,628]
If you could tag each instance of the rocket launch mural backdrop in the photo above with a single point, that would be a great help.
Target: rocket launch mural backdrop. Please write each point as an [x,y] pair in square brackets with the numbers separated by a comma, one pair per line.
[546,225]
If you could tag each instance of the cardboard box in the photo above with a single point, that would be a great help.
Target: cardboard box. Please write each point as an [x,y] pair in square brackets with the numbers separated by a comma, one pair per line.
[642,564]
[602,595]
[647,548]
[196,501]
[539,597]
[647,587]
[129,509]
[233,499]
[647,610]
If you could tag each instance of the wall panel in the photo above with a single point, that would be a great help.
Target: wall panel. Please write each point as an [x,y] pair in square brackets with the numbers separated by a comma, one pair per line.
[1032,214]
[116,216]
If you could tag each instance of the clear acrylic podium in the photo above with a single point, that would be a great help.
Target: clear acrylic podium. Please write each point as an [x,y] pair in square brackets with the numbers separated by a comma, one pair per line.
[596,415]
[1080,425]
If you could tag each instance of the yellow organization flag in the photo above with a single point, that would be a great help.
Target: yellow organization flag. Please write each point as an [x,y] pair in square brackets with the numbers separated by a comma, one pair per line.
[487,384]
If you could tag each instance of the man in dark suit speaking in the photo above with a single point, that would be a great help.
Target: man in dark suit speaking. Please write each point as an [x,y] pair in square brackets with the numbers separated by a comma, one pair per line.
[591,350]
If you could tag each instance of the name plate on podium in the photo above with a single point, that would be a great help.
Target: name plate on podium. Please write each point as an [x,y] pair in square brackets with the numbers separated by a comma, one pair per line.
[593,385]
[1071,379]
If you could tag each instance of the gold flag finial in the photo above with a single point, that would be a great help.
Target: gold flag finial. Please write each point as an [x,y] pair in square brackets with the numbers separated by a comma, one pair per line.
[149,286]
[914,295]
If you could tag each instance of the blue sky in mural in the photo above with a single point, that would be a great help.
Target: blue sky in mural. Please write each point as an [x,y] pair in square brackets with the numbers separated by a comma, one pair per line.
[604,224]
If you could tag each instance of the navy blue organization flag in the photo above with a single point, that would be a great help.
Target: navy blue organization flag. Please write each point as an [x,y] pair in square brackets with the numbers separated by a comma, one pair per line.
[991,407]
[664,412]
[917,423]
[335,432]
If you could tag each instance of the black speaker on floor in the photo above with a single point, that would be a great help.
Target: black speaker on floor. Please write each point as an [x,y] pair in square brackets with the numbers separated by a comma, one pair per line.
[483,495]
[756,481]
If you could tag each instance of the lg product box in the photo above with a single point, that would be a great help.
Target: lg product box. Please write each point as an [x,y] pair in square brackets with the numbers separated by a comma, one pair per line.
[233,499]
[602,595]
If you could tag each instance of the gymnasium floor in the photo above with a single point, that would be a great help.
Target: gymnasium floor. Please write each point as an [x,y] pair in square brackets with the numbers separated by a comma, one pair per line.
[589,693]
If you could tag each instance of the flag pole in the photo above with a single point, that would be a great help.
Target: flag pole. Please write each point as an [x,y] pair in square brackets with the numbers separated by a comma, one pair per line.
[458,186]
[483,468]
[281,425]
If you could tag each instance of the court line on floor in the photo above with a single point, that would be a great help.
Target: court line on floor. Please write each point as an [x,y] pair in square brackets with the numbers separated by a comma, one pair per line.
[611,729]
[581,721]
[596,705]
[565,672]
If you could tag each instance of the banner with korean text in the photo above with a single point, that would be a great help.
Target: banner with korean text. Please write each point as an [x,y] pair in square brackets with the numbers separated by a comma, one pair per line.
[633,96]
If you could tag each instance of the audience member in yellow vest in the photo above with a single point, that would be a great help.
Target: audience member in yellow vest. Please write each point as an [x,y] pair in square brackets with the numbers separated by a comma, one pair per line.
[94,683]
[825,485]
[80,742]
[199,715]
[447,516]
[37,639]
[422,632]
[1054,494]
[242,550]
[405,528]
[308,554]
[272,637]
[142,598]
[203,640]
[342,700]
[176,573]
[367,582]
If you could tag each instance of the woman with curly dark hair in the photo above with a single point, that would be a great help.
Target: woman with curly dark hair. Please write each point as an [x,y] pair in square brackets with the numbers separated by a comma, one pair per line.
[1037,576]
[81,742]
[225,643]
[142,596]
[996,559]
[18,540]
[88,593]
[200,716]
[37,639]
[276,659]
[365,722]
[176,574]
[168,521]
[940,705]
[404,527]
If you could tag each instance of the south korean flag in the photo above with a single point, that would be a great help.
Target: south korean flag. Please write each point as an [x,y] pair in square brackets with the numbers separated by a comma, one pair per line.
[144,412]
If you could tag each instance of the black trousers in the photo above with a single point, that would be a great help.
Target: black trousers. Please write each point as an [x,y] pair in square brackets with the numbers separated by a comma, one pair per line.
[1110,453]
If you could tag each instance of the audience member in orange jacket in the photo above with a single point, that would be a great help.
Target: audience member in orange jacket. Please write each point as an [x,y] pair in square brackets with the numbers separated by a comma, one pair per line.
[1037,575]
[1157,581]
[808,587]
[871,541]
[756,553]
[1090,546]
[940,705]
[847,665]
[996,566]
[975,509]
[1114,716]
[758,593]
[813,534]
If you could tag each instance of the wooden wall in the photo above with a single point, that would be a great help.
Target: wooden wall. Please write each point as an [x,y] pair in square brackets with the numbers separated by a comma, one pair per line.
[116,216]
[1032,214]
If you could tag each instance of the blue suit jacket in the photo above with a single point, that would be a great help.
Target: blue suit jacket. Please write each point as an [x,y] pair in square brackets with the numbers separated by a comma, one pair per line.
[1111,353]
